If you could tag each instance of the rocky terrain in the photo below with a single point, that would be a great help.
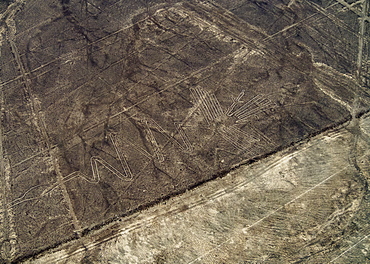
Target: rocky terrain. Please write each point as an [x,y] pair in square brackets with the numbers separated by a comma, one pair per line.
[111,111]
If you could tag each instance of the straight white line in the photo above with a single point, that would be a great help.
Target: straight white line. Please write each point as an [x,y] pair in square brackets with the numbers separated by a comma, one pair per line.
[348,249]
[244,230]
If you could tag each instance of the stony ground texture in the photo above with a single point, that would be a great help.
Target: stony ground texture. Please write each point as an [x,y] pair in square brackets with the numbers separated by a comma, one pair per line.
[110,108]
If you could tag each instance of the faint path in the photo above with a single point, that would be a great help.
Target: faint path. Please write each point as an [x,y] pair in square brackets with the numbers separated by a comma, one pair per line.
[134,224]
[363,18]
[36,111]
[206,222]
[7,233]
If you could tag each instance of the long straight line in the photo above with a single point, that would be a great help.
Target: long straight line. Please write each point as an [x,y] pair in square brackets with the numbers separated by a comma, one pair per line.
[42,128]
[295,24]
[248,105]
[198,99]
[270,214]
[349,249]
[167,87]
[5,218]
[205,97]
[66,55]
[204,105]
[365,7]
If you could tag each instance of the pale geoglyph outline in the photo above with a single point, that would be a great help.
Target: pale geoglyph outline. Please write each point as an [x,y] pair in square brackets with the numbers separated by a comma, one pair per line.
[187,146]
[129,225]
[213,115]
[156,148]
[126,175]
[232,135]
[208,104]
[211,110]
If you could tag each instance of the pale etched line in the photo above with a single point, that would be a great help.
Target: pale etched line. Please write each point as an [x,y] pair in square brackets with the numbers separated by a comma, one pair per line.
[95,160]
[34,109]
[245,142]
[247,105]
[197,98]
[165,133]
[122,159]
[184,137]
[351,6]
[6,216]
[46,21]
[150,71]
[260,134]
[232,141]
[363,17]
[22,201]
[207,97]
[203,97]
[91,43]
[186,140]
[82,48]
[234,103]
[229,139]
[42,128]
[213,103]
[31,157]
[160,129]
[90,80]
[79,174]
[63,226]
[192,110]
[95,171]
[27,74]
[171,54]
[66,196]
[332,95]
[157,148]
[169,86]
[232,137]
[39,121]
[261,103]
[245,230]
[210,99]
[140,222]
[335,19]
[209,104]
[253,112]
[24,194]
[238,132]
[296,24]
[137,148]
[217,106]
[349,249]
[69,177]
